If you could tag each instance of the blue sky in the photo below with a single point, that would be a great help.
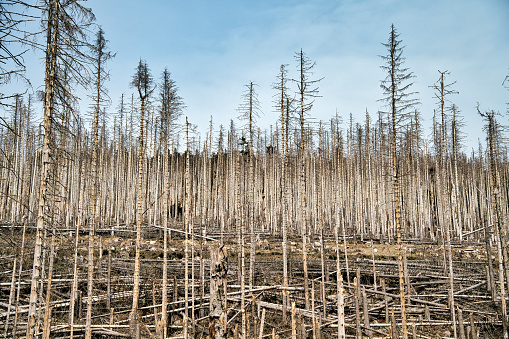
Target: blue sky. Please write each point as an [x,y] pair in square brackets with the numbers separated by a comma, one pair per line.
[214,48]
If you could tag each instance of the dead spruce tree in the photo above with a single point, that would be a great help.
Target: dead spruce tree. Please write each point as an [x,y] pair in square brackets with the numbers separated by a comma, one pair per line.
[23,141]
[307,90]
[187,207]
[81,186]
[142,80]
[249,110]
[442,91]
[171,106]
[282,104]
[493,137]
[101,56]
[65,24]
[398,98]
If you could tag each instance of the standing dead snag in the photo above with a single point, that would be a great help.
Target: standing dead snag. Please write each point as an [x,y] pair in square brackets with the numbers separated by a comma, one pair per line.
[280,103]
[250,110]
[493,130]
[142,80]
[442,90]
[186,230]
[340,291]
[171,108]
[218,274]
[101,56]
[61,19]
[306,91]
[396,89]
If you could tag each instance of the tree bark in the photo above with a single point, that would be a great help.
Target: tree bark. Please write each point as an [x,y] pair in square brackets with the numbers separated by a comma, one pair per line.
[218,274]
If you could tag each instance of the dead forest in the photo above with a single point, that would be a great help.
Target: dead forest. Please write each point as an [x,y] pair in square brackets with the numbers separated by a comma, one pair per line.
[130,224]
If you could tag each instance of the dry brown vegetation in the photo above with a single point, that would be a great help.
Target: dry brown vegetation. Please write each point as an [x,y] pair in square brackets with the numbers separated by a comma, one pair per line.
[424,267]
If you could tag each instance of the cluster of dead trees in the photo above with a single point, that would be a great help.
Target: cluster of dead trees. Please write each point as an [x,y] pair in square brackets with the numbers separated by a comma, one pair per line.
[379,179]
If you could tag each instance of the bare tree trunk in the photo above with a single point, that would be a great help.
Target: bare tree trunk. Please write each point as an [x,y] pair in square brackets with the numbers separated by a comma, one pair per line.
[251,188]
[51,53]
[47,313]
[340,292]
[322,259]
[395,175]
[11,295]
[284,197]
[294,320]
[166,211]
[139,216]
[218,274]
[498,218]
[356,292]
[186,230]
[74,288]
[95,187]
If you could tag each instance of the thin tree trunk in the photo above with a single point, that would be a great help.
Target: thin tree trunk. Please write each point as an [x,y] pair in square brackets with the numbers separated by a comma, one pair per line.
[340,292]
[139,215]
[186,230]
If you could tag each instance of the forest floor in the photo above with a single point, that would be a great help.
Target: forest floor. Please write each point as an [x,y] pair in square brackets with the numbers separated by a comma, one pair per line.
[427,283]
[271,249]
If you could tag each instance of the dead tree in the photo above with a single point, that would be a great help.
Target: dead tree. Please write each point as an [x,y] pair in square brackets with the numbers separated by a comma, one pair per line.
[442,92]
[218,274]
[307,91]
[170,110]
[399,100]
[493,131]
[283,106]
[65,24]
[187,180]
[101,56]
[143,82]
[249,111]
